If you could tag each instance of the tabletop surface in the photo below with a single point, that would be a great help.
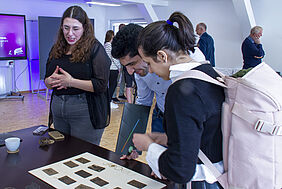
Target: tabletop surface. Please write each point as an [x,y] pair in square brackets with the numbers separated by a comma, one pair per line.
[14,167]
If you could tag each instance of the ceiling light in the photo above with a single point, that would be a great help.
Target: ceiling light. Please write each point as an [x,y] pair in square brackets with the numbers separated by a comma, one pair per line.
[103,4]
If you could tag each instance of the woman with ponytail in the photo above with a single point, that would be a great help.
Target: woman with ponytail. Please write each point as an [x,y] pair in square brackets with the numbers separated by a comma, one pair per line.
[192,117]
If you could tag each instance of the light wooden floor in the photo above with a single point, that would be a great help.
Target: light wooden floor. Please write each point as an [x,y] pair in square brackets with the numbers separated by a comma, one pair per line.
[17,114]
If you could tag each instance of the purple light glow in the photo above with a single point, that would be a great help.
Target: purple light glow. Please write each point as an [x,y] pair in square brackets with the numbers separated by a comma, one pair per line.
[12,37]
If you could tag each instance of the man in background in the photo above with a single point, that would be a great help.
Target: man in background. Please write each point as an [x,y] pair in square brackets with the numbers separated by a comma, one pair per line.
[252,48]
[124,48]
[122,81]
[205,43]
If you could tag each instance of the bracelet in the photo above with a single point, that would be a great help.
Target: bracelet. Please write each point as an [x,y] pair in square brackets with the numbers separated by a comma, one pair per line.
[69,84]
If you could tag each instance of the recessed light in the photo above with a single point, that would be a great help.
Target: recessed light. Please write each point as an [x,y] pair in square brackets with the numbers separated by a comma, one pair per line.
[103,4]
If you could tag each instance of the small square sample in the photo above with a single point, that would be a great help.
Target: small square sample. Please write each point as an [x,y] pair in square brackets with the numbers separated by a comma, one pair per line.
[70,164]
[99,181]
[50,171]
[96,168]
[82,186]
[67,180]
[137,184]
[83,173]
[82,160]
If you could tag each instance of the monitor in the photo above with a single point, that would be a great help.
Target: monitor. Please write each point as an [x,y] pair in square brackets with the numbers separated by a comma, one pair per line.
[13,43]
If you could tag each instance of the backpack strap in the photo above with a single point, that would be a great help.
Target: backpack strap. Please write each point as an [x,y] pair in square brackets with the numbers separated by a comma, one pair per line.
[258,123]
[222,181]
[196,74]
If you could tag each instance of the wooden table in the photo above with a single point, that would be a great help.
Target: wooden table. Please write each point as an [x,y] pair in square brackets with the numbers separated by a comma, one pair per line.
[14,167]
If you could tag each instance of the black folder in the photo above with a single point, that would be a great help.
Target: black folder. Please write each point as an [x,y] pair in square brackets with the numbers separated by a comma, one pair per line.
[134,120]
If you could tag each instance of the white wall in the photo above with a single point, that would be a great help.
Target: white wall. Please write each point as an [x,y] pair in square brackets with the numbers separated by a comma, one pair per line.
[122,13]
[219,15]
[222,23]
[34,8]
[268,14]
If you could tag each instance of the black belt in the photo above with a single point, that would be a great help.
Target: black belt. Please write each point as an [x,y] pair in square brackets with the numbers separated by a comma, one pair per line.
[159,112]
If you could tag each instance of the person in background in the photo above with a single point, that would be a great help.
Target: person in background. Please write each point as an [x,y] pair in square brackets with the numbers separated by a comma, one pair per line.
[115,66]
[78,70]
[192,117]
[125,49]
[206,43]
[252,48]
[122,81]
[129,82]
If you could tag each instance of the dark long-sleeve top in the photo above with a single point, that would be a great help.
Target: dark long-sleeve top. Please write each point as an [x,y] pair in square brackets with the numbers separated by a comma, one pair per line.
[250,51]
[98,101]
[192,120]
[80,70]
[206,45]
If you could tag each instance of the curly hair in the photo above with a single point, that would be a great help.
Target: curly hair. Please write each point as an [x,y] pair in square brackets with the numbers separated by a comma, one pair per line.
[83,47]
[125,41]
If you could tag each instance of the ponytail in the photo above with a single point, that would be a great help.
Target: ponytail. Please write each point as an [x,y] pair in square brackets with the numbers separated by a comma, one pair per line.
[186,31]
[164,35]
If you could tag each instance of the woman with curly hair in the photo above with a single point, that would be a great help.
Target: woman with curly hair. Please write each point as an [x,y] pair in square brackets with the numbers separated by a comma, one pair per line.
[78,72]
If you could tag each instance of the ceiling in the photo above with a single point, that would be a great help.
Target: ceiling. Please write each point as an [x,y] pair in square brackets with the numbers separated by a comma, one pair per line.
[122,2]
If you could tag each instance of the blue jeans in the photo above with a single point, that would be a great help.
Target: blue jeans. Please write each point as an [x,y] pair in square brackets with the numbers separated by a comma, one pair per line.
[71,116]
[157,120]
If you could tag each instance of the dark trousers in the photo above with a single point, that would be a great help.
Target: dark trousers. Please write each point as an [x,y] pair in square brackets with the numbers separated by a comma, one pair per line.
[199,185]
[113,81]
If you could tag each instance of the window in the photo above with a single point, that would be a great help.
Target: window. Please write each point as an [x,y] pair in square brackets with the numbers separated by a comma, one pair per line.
[115,23]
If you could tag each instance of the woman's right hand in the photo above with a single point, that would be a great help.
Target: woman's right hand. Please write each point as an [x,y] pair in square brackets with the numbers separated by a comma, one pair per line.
[49,80]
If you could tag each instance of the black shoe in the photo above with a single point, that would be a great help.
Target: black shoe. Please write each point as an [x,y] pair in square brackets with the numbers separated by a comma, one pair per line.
[115,100]
[122,97]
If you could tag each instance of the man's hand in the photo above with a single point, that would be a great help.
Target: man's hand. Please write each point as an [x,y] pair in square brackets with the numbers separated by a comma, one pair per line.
[133,155]
[259,57]
[142,141]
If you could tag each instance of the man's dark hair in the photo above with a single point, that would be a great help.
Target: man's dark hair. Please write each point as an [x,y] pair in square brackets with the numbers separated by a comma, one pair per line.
[125,41]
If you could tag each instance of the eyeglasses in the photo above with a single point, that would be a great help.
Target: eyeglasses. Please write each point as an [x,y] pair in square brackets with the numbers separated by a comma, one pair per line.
[73,29]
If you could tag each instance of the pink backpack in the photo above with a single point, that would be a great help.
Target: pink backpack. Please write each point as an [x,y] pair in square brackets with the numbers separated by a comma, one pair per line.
[251,127]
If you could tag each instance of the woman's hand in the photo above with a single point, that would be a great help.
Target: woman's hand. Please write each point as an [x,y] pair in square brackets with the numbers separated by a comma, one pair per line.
[49,80]
[154,175]
[159,138]
[61,81]
[142,141]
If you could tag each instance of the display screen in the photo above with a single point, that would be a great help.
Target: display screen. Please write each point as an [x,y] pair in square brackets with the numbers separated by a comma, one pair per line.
[12,37]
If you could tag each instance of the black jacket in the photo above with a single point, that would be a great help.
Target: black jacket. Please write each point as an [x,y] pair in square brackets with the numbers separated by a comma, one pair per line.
[192,120]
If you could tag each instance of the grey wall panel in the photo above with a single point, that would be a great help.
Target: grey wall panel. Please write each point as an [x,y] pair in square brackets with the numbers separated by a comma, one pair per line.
[48,29]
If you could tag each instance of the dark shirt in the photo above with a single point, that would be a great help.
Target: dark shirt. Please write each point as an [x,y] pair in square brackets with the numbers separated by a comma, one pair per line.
[192,120]
[77,70]
[249,50]
[206,45]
